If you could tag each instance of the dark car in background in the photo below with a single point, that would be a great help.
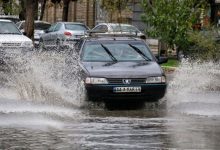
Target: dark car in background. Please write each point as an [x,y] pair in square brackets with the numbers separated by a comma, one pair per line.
[39,29]
[63,34]
[120,68]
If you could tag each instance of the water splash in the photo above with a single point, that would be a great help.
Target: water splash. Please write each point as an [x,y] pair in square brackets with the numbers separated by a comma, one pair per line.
[48,76]
[195,88]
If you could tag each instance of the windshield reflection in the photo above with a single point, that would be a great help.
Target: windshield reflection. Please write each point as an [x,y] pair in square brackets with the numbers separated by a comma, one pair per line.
[117,51]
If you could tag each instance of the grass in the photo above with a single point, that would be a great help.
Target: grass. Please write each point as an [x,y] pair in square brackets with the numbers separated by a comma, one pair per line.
[170,66]
[171,63]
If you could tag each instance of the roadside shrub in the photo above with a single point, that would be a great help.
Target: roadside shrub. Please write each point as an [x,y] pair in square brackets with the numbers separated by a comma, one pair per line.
[204,45]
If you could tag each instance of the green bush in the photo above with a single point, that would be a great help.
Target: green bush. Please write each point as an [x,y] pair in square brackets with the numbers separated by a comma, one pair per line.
[203,45]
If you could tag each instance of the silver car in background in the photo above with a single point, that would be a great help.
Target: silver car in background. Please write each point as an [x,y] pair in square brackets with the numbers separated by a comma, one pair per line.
[39,29]
[63,34]
[118,28]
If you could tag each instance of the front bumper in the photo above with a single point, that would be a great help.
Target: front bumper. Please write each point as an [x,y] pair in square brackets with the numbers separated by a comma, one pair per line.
[149,92]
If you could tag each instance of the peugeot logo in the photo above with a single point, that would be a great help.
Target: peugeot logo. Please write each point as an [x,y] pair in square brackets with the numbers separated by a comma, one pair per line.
[126,81]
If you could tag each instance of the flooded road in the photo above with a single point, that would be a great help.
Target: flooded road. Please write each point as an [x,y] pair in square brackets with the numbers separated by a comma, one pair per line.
[42,106]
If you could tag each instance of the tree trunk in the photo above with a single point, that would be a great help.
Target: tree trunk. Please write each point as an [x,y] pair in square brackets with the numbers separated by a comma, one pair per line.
[36,10]
[65,10]
[29,23]
[87,12]
[55,12]
[43,4]
[75,11]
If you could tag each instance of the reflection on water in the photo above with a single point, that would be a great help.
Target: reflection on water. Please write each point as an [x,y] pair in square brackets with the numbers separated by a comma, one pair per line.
[42,107]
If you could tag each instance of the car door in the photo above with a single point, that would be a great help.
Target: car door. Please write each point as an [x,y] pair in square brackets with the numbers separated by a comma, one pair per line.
[47,36]
[55,35]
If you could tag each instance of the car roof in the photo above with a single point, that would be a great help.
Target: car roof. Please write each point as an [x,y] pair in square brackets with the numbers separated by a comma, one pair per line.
[5,20]
[113,38]
[115,24]
[36,21]
[71,22]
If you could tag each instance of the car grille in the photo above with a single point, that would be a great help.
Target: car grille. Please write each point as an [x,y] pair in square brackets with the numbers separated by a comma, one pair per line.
[120,80]
[11,44]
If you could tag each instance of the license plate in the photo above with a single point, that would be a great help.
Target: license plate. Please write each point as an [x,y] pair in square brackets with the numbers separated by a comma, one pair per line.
[126,89]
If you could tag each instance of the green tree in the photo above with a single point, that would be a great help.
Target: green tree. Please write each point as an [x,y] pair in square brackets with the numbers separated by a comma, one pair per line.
[170,20]
[10,7]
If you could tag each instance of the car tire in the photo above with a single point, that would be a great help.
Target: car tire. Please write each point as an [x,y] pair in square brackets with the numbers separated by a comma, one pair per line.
[58,45]
[41,45]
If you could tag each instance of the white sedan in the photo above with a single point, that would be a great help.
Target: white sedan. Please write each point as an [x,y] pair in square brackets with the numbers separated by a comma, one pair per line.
[12,38]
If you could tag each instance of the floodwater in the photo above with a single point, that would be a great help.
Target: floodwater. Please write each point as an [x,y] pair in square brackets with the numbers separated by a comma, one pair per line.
[42,106]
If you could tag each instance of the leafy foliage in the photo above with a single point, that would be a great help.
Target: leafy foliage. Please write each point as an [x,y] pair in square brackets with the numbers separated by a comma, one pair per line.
[204,45]
[10,7]
[171,19]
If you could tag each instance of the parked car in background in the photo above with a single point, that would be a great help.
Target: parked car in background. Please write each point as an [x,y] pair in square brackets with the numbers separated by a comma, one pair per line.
[39,29]
[11,37]
[13,18]
[116,28]
[120,68]
[63,34]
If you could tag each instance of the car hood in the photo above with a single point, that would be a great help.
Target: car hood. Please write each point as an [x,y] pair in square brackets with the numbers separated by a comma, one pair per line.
[13,38]
[122,69]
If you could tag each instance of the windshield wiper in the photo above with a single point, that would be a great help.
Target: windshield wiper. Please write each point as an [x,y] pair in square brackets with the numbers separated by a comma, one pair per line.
[139,52]
[109,53]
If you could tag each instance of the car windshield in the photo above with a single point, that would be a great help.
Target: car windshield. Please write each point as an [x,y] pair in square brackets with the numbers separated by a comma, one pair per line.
[8,28]
[76,27]
[115,51]
[124,28]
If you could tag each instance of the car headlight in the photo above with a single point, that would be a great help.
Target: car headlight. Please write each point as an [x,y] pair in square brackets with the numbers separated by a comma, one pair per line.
[27,44]
[90,80]
[161,79]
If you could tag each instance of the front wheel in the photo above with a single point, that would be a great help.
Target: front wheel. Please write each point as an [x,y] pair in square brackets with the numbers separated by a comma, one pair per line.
[58,44]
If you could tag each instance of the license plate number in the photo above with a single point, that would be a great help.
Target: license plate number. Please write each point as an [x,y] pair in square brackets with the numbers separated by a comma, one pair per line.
[126,89]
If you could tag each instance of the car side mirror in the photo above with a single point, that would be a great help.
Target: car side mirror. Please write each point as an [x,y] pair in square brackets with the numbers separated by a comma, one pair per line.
[24,33]
[161,59]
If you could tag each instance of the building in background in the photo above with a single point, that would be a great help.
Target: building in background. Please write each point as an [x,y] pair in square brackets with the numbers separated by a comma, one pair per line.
[89,12]
[80,11]
[136,16]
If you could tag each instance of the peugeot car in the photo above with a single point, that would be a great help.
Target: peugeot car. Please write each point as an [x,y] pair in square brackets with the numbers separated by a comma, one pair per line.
[120,68]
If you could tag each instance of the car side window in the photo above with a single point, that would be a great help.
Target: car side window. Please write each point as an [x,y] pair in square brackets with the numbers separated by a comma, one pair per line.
[97,28]
[51,28]
[58,26]
[104,28]
[101,28]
